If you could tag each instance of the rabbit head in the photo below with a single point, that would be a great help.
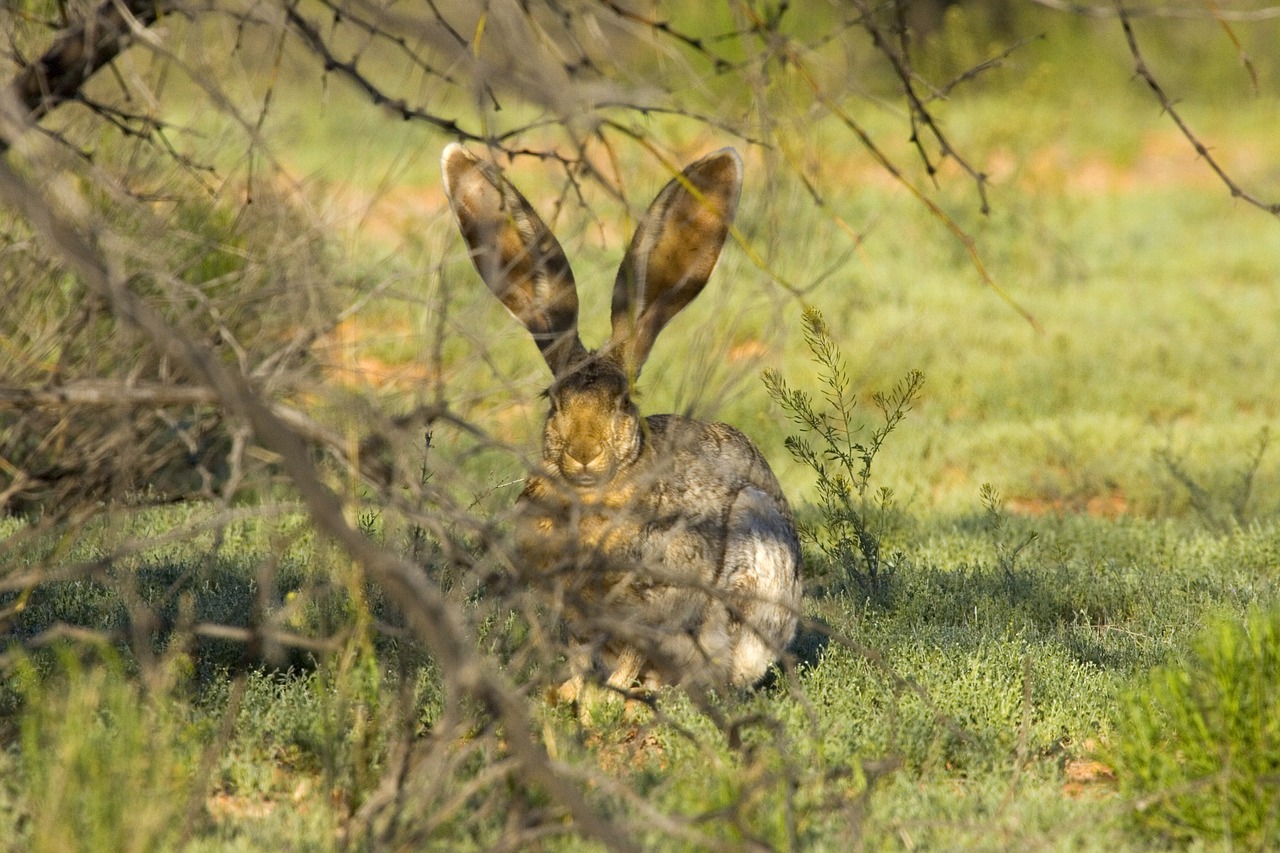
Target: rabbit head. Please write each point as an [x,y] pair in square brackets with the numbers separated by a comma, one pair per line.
[594,429]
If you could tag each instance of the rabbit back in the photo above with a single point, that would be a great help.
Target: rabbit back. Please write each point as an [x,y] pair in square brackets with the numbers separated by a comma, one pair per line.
[720,491]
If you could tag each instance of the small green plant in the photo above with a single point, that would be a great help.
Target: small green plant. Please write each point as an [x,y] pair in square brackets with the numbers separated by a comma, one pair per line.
[1008,546]
[855,517]
[1197,746]
[1221,507]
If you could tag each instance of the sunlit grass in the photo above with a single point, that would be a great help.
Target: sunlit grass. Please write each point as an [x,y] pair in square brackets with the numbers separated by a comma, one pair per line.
[1151,287]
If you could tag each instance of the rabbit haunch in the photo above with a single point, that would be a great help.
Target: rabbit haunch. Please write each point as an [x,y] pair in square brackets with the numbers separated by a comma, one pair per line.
[667,540]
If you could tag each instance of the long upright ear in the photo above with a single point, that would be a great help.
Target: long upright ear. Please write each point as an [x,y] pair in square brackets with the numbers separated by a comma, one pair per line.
[673,252]
[516,254]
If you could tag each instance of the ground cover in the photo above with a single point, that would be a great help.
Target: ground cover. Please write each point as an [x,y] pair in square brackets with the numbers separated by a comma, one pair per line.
[989,688]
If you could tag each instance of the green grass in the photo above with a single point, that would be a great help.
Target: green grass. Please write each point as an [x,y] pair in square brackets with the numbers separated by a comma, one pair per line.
[952,710]
[1197,743]
[965,694]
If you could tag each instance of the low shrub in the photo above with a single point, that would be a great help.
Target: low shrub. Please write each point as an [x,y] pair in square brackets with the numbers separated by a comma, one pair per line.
[1197,745]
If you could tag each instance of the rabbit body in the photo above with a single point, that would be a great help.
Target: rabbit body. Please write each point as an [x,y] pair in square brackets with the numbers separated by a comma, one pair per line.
[667,540]
[689,553]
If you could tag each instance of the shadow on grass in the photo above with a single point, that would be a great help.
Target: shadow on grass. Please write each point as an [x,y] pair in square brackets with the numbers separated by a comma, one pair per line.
[159,604]
[1113,593]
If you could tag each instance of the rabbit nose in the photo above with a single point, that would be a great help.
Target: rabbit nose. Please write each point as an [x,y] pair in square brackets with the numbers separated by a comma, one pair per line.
[580,460]
[575,459]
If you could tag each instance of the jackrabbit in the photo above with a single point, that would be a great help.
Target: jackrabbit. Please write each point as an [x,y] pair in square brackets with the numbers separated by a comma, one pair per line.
[669,540]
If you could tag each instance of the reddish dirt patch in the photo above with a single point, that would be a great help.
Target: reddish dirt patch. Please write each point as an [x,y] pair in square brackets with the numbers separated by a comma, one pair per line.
[1109,505]
[747,351]
[1086,777]
[638,749]
[349,364]
[231,807]
[952,479]
[384,214]
[228,807]
[1164,158]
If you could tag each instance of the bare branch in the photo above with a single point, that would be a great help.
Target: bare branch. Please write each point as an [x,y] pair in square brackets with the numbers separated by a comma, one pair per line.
[797,61]
[312,37]
[1245,59]
[1194,12]
[1143,71]
[696,43]
[433,618]
[103,393]
[78,53]
[898,60]
[986,65]
[249,636]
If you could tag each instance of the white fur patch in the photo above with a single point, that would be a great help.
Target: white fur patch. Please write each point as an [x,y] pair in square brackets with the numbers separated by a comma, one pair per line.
[762,579]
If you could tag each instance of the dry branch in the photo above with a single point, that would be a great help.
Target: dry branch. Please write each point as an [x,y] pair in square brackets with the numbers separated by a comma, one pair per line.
[433,618]
[105,393]
[1192,12]
[1144,71]
[79,52]
[110,394]
[311,35]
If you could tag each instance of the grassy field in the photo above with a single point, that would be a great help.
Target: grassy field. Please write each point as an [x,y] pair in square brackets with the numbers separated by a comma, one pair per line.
[1072,641]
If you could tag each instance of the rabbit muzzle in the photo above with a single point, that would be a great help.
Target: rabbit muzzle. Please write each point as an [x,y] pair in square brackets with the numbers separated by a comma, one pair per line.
[585,474]
[588,458]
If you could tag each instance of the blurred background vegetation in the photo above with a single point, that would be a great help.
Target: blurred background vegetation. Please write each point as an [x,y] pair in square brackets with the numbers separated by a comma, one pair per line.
[229,233]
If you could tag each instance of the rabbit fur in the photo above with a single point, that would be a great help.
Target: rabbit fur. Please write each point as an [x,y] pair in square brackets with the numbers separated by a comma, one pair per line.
[668,541]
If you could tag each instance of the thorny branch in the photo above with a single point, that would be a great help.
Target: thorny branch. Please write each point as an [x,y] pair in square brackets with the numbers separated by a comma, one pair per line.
[122,22]
[1143,70]
[312,37]
[1193,11]
[433,618]
[109,394]
[57,77]
[899,61]
[77,54]
[823,96]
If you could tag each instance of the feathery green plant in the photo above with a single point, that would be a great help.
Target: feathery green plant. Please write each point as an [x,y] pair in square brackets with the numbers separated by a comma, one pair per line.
[1007,550]
[1223,506]
[854,517]
[107,764]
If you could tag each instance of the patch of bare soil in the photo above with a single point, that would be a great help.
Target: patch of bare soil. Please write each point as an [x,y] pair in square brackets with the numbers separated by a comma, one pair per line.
[350,364]
[1086,777]
[1109,505]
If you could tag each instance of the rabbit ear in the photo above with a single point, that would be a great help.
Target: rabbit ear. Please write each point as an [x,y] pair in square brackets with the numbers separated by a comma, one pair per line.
[516,254]
[673,252]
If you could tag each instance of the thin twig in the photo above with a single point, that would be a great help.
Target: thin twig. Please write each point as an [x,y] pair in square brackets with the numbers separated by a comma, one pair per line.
[882,159]
[431,614]
[1143,71]
[1195,13]
[78,52]
[899,61]
[312,37]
